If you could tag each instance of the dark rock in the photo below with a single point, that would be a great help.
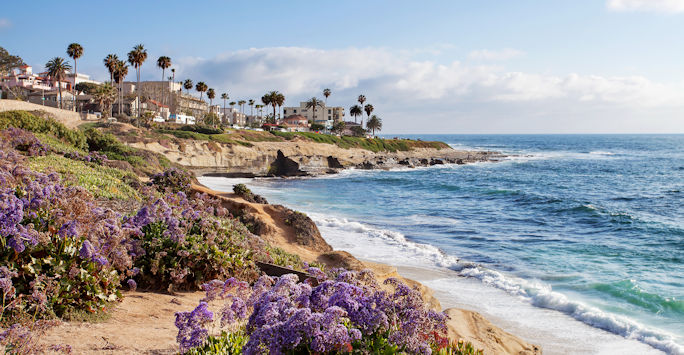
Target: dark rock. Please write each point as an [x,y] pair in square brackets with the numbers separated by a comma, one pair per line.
[405,162]
[366,165]
[460,162]
[334,163]
[305,229]
[424,161]
[284,166]
[436,162]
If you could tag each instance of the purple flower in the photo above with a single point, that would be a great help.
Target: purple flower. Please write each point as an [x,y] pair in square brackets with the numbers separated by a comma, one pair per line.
[132,285]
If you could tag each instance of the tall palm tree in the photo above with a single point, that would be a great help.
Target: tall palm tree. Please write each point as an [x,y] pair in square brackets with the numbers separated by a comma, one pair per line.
[109,63]
[163,62]
[251,107]
[242,103]
[374,123]
[120,72]
[187,85]
[211,94]
[201,87]
[232,108]
[56,70]
[326,93]
[280,100]
[361,99]
[225,97]
[75,51]
[312,104]
[368,108]
[355,111]
[136,58]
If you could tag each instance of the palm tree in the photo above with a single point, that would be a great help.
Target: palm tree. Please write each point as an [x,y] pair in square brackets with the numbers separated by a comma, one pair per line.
[280,100]
[201,87]
[211,94]
[136,58]
[225,97]
[355,111]
[120,72]
[163,62]
[374,122]
[368,108]
[187,85]
[56,70]
[109,63]
[242,103]
[251,107]
[361,99]
[312,104]
[326,93]
[105,95]
[75,51]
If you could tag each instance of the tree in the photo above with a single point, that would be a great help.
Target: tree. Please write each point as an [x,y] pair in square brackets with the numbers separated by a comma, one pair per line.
[201,87]
[187,85]
[225,97]
[105,95]
[280,100]
[86,88]
[358,131]
[8,62]
[317,127]
[163,62]
[339,127]
[120,72]
[326,93]
[136,58]
[75,51]
[109,63]
[355,111]
[242,103]
[312,104]
[374,123]
[56,70]
[368,108]
[211,94]
[251,107]
[361,99]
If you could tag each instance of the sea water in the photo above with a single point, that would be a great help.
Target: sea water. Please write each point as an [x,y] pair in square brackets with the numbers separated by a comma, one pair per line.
[573,242]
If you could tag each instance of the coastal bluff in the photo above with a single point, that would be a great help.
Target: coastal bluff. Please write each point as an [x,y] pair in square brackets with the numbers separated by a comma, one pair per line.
[296,157]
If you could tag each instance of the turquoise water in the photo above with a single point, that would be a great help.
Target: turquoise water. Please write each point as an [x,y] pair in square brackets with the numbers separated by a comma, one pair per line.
[591,226]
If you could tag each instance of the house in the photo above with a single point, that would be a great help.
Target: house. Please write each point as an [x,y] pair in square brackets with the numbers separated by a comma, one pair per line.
[233,116]
[181,119]
[296,123]
[25,79]
[156,106]
[325,115]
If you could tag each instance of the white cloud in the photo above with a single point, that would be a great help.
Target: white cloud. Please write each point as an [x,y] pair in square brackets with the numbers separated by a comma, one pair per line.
[504,54]
[400,86]
[5,23]
[666,6]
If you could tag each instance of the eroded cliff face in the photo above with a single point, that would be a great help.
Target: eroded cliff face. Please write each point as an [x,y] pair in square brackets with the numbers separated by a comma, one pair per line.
[298,157]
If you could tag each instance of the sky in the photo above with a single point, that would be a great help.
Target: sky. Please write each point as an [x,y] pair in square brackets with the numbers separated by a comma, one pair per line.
[451,66]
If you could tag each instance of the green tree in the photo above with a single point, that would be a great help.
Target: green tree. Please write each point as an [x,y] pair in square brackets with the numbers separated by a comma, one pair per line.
[136,58]
[109,63]
[225,97]
[75,51]
[374,123]
[8,62]
[56,70]
[120,72]
[242,103]
[326,93]
[251,107]
[187,85]
[368,108]
[313,103]
[355,111]
[86,88]
[339,127]
[201,87]
[105,95]
[211,94]
[163,63]
[358,131]
[361,99]
[273,98]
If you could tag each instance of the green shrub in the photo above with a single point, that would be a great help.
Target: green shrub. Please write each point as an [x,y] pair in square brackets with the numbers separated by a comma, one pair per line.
[224,344]
[241,189]
[201,129]
[146,162]
[35,124]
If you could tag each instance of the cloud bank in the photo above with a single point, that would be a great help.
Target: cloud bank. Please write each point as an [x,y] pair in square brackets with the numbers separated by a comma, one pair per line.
[664,6]
[404,89]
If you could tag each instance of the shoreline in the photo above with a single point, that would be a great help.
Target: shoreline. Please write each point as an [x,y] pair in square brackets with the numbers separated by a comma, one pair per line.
[464,324]
[579,338]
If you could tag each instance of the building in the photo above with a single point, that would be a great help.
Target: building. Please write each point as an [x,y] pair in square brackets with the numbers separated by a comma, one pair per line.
[51,98]
[233,116]
[25,79]
[169,93]
[324,115]
[296,123]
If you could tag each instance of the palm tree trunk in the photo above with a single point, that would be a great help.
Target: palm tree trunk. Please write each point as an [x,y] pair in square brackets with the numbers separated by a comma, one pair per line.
[73,89]
[162,84]
[137,92]
[59,88]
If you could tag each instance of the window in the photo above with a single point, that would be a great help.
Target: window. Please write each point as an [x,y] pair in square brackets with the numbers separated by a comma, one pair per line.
[284,112]
[329,110]
[295,110]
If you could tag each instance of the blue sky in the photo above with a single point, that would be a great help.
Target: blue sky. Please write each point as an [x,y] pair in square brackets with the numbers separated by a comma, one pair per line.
[601,66]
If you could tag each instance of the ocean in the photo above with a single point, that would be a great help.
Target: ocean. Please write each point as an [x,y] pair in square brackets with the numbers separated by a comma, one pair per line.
[573,242]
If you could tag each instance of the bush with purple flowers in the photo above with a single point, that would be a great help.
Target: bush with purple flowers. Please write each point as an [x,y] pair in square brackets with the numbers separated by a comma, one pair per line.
[173,179]
[348,312]
[23,141]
